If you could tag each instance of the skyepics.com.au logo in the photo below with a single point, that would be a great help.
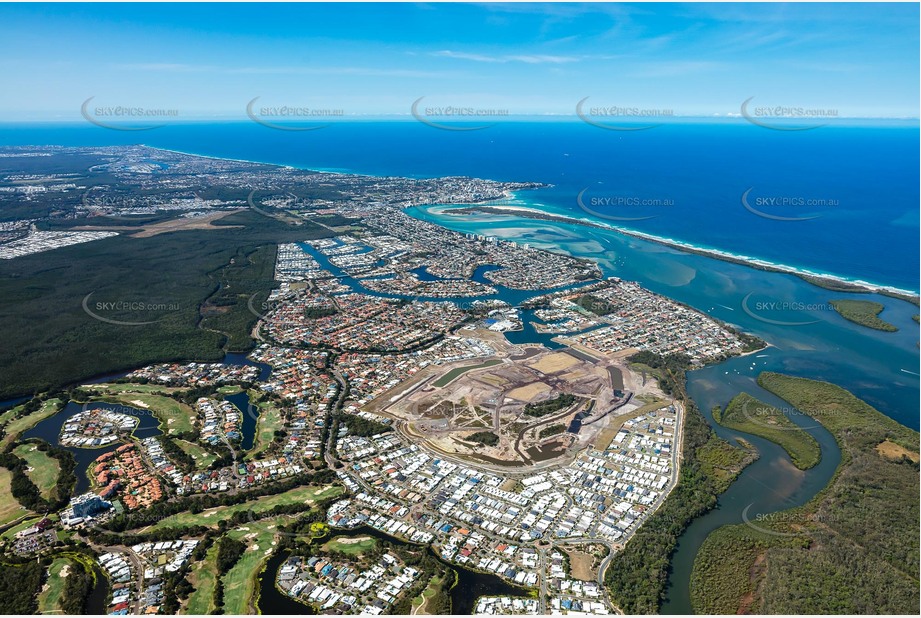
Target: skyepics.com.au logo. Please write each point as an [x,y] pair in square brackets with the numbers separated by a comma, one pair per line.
[123,312]
[786,117]
[620,118]
[278,311]
[622,207]
[285,117]
[785,207]
[451,117]
[136,520]
[774,311]
[126,117]
[763,415]
[798,522]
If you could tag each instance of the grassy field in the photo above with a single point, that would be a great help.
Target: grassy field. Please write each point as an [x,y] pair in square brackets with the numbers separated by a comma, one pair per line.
[10,509]
[203,580]
[745,413]
[203,457]
[443,380]
[433,588]
[44,471]
[863,312]
[25,423]
[50,597]
[130,387]
[175,416]
[352,546]
[855,539]
[301,495]
[9,414]
[29,521]
[240,582]
[270,420]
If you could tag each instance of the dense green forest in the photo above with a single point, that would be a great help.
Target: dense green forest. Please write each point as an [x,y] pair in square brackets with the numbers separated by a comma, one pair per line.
[18,586]
[194,286]
[863,312]
[852,549]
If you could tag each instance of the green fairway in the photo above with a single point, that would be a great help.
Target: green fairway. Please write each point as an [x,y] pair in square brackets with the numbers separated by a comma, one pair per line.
[12,412]
[49,599]
[203,580]
[350,545]
[446,378]
[10,509]
[241,580]
[131,387]
[175,416]
[203,457]
[435,585]
[45,469]
[30,520]
[211,517]
[270,420]
[25,423]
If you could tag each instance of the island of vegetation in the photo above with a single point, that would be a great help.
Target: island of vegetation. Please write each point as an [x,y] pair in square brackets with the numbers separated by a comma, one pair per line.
[745,413]
[486,438]
[863,312]
[866,518]
[550,406]
[552,430]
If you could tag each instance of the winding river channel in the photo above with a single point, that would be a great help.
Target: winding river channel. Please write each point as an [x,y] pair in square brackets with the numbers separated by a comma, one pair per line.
[807,338]
[768,485]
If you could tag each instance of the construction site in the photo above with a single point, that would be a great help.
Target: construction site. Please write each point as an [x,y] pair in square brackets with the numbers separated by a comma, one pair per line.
[538,408]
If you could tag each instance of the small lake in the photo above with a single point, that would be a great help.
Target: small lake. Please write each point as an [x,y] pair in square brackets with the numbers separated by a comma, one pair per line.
[250,415]
[236,358]
[6,404]
[50,429]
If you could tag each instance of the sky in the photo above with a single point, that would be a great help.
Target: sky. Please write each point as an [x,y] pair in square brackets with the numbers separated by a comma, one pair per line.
[211,60]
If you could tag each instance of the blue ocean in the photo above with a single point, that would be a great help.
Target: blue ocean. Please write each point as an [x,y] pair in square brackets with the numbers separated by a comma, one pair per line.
[845,197]
[680,181]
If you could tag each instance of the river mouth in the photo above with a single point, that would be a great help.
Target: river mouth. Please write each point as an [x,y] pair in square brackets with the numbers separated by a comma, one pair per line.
[770,484]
